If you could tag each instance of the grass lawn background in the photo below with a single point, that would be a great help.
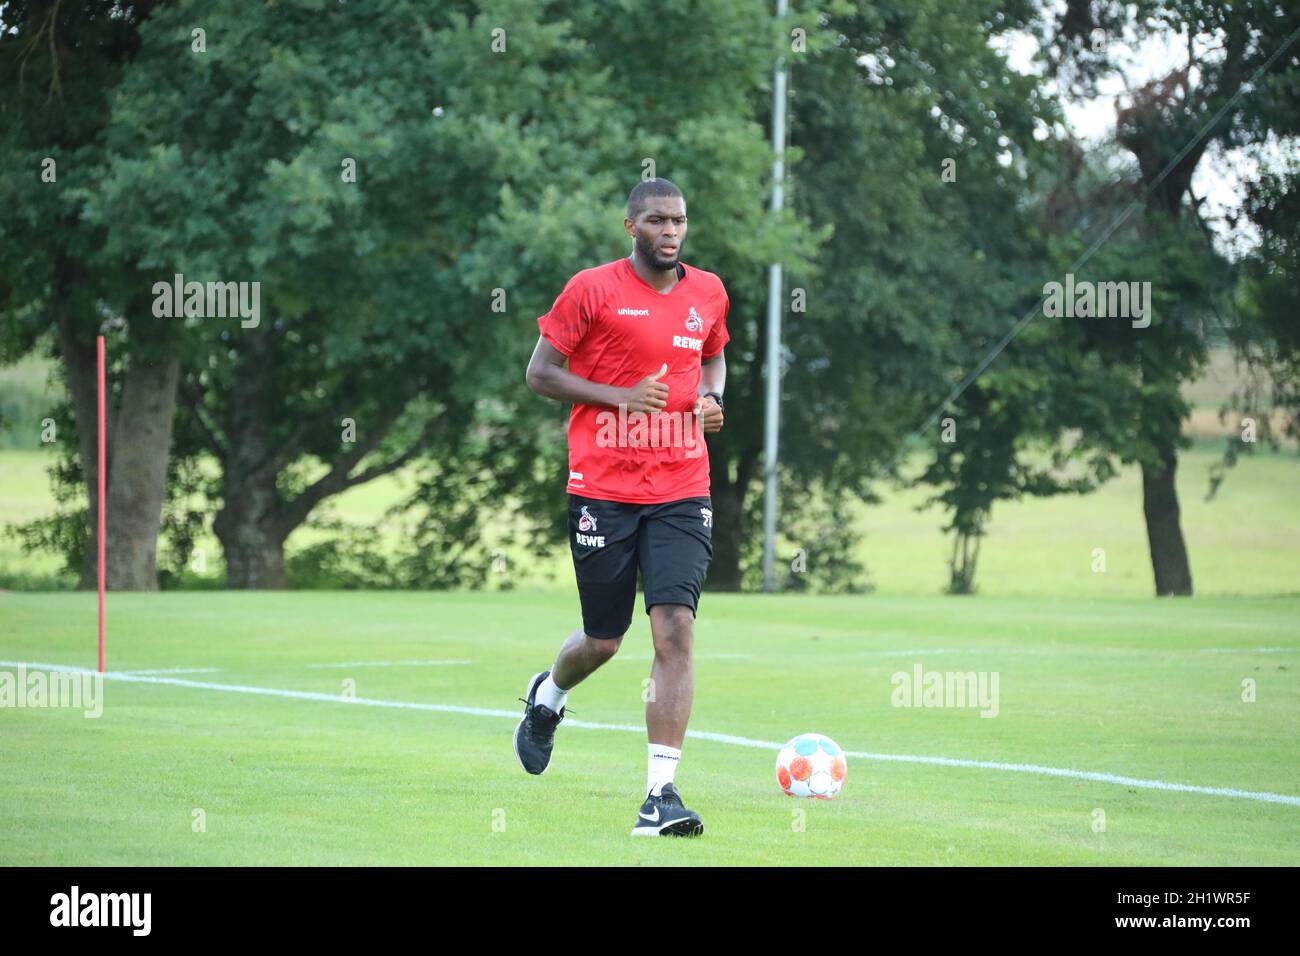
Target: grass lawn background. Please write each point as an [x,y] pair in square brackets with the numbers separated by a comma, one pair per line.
[1133,687]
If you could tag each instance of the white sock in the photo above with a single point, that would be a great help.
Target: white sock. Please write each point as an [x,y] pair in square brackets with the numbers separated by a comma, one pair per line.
[662,766]
[550,694]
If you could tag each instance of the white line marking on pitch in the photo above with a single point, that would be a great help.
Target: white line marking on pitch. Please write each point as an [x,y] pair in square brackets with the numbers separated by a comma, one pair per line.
[175,670]
[390,664]
[1261,796]
[1249,650]
[958,650]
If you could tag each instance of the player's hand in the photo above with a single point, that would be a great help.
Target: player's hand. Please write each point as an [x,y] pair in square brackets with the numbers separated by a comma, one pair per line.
[649,394]
[709,413]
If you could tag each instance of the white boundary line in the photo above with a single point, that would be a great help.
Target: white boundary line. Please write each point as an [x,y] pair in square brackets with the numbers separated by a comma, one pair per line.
[387,664]
[1260,796]
[1249,650]
[973,651]
[175,670]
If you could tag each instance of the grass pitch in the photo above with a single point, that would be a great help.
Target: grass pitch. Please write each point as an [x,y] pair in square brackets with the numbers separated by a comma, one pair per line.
[1130,688]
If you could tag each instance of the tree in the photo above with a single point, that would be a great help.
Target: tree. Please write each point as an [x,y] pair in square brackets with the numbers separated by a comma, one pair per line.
[1167,126]
[702,128]
[490,164]
[58,272]
[918,145]
[1265,331]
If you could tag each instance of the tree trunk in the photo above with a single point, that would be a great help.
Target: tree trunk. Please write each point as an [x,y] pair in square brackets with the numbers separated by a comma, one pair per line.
[1164,535]
[1157,118]
[78,358]
[248,526]
[961,568]
[137,474]
[729,522]
[253,548]
[728,532]
[138,448]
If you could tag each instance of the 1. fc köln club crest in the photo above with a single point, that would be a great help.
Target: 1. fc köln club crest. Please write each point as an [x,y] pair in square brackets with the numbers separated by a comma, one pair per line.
[693,321]
[588,521]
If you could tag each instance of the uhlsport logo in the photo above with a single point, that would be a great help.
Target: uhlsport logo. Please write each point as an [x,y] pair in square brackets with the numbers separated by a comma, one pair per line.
[588,521]
[693,321]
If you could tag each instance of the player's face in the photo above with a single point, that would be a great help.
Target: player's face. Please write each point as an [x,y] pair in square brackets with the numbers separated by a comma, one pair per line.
[658,233]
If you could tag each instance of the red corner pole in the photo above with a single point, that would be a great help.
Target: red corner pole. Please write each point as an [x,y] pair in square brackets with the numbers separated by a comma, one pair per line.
[99,536]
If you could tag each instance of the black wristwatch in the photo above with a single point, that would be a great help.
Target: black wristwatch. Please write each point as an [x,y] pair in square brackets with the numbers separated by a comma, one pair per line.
[717,397]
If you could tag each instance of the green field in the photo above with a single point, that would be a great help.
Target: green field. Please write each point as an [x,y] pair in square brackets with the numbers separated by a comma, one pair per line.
[1133,688]
[1117,699]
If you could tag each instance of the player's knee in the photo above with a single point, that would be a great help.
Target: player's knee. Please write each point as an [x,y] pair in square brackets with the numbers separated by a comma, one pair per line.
[674,631]
[604,647]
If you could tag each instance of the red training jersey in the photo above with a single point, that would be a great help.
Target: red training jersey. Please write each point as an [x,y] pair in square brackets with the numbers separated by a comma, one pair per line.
[615,328]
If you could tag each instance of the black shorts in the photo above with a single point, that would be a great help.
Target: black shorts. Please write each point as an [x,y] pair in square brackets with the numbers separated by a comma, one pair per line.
[670,543]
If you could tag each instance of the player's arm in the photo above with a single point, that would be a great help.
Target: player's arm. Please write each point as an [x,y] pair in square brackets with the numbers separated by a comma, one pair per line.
[547,376]
[713,378]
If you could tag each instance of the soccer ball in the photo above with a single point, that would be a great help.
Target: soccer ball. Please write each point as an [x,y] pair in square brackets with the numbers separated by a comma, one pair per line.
[811,765]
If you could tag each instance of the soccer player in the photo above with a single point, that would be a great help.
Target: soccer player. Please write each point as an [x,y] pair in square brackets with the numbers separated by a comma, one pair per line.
[642,338]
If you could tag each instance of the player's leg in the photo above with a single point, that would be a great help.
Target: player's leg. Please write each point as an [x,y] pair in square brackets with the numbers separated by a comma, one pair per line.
[580,656]
[602,537]
[674,551]
[672,678]
[668,703]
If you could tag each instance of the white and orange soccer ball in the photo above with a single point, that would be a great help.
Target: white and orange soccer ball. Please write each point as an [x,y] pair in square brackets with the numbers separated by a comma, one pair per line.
[811,765]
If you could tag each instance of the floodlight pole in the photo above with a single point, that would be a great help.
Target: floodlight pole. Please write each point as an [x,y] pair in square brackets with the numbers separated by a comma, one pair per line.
[773,414]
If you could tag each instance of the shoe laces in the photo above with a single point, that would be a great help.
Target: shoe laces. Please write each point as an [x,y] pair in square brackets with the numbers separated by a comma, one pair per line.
[535,720]
[670,797]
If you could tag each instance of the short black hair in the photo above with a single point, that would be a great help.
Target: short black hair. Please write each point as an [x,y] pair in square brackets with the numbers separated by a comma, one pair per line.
[646,190]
